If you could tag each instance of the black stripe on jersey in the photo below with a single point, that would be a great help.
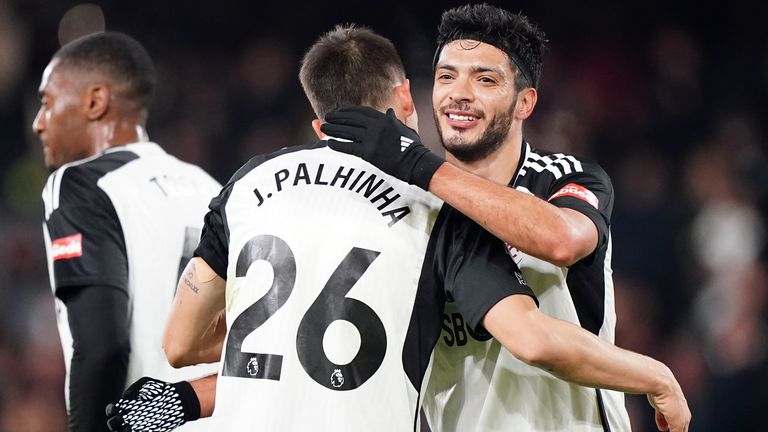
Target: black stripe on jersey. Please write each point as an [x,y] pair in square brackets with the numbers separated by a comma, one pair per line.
[79,181]
[424,327]
[586,283]
[84,208]
[601,409]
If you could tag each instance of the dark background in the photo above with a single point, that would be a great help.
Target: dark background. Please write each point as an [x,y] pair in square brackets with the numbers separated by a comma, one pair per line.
[667,96]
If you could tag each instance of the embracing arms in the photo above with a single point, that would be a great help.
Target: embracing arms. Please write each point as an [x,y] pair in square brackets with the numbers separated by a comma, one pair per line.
[576,355]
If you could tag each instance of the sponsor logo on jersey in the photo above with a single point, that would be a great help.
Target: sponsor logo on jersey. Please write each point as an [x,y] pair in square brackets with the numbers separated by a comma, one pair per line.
[576,191]
[337,378]
[520,279]
[67,247]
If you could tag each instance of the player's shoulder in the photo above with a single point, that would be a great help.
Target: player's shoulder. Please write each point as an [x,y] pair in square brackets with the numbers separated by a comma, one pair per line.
[258,160]
[548,167]
[92,169]
[77,182]
[539,158]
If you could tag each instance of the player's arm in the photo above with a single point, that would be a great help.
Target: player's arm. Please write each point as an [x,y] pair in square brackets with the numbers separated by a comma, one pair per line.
[196,326]
[574,354]
[561,236]
[557,235]
[98,320]
[491,293]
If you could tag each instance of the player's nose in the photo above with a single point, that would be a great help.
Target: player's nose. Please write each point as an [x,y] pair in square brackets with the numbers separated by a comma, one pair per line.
[38,124]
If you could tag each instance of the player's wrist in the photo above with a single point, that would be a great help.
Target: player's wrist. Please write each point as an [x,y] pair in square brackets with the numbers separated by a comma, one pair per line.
[425,167]
[190,403]
[664,382]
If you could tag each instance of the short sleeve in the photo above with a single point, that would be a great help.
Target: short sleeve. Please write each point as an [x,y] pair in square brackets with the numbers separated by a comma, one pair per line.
[87,246]
[588,191]
[475,268]
[214,240]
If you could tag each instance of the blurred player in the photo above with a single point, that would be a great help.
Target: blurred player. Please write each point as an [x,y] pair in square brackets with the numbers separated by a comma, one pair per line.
[554,217]
[122,218]
[333,275]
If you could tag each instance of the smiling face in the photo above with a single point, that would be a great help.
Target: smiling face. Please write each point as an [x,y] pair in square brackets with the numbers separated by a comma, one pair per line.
[61,122]
[473,98]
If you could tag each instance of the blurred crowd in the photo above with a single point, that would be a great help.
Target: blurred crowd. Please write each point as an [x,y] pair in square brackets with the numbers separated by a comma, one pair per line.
[667,98]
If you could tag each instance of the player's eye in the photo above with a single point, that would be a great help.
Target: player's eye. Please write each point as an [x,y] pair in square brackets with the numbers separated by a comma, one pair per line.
[487,80]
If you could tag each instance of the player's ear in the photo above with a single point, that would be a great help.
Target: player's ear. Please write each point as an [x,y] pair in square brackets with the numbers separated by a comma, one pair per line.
[96,100]
[526,101]
[316,123]
[404,99]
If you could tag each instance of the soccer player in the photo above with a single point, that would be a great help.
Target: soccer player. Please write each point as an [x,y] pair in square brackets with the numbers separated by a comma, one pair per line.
[122,218]
[332,277]
[552,210]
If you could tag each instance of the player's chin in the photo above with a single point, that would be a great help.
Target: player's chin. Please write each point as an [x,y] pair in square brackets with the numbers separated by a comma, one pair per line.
[461,136]
[456,143]
[50,163]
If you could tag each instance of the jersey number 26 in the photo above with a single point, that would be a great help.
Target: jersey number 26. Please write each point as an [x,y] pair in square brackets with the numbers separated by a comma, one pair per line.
[331,305]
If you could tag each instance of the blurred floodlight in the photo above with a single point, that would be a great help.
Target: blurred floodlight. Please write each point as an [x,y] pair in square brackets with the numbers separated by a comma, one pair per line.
[81,20]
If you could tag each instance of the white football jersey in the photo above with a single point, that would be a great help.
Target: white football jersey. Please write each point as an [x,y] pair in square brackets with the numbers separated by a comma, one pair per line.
[335,274]
[129,218]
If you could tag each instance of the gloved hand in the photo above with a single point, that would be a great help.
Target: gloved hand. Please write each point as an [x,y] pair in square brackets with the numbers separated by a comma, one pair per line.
[384,141]
[153,405]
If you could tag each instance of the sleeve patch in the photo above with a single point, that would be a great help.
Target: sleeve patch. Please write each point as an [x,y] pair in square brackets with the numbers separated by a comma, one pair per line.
[67,247]
[576,191]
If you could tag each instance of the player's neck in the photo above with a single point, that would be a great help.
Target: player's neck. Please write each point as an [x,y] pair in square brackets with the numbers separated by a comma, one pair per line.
[119,132]
[499,166]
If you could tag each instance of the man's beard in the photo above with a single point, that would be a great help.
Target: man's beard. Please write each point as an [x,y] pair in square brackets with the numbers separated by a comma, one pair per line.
[490,140]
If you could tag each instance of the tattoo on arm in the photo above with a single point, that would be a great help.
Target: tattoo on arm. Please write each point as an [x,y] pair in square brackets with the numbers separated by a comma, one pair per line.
[191,286]
[189,276]
[195,278]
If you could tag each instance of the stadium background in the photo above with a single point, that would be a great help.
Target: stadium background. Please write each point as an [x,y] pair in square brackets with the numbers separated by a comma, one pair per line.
[667,96]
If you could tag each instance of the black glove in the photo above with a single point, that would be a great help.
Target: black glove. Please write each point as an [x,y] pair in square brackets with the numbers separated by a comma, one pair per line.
[153,405]
[384,141]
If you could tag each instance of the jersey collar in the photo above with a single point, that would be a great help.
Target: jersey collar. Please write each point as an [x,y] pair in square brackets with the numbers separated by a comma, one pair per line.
[525,150]
[137,147]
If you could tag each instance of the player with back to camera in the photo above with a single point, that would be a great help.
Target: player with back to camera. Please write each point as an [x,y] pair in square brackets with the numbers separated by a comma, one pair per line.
[121,219]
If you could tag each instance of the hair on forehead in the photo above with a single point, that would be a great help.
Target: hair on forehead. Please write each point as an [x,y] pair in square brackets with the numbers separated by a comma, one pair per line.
[350,65]
[118,57]
[514,34]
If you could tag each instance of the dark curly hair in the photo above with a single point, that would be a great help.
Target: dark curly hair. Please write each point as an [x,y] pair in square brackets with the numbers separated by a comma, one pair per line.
[514,34]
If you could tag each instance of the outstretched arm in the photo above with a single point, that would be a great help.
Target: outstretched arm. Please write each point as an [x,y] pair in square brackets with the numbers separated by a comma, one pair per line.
[573,354]
[196,326]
